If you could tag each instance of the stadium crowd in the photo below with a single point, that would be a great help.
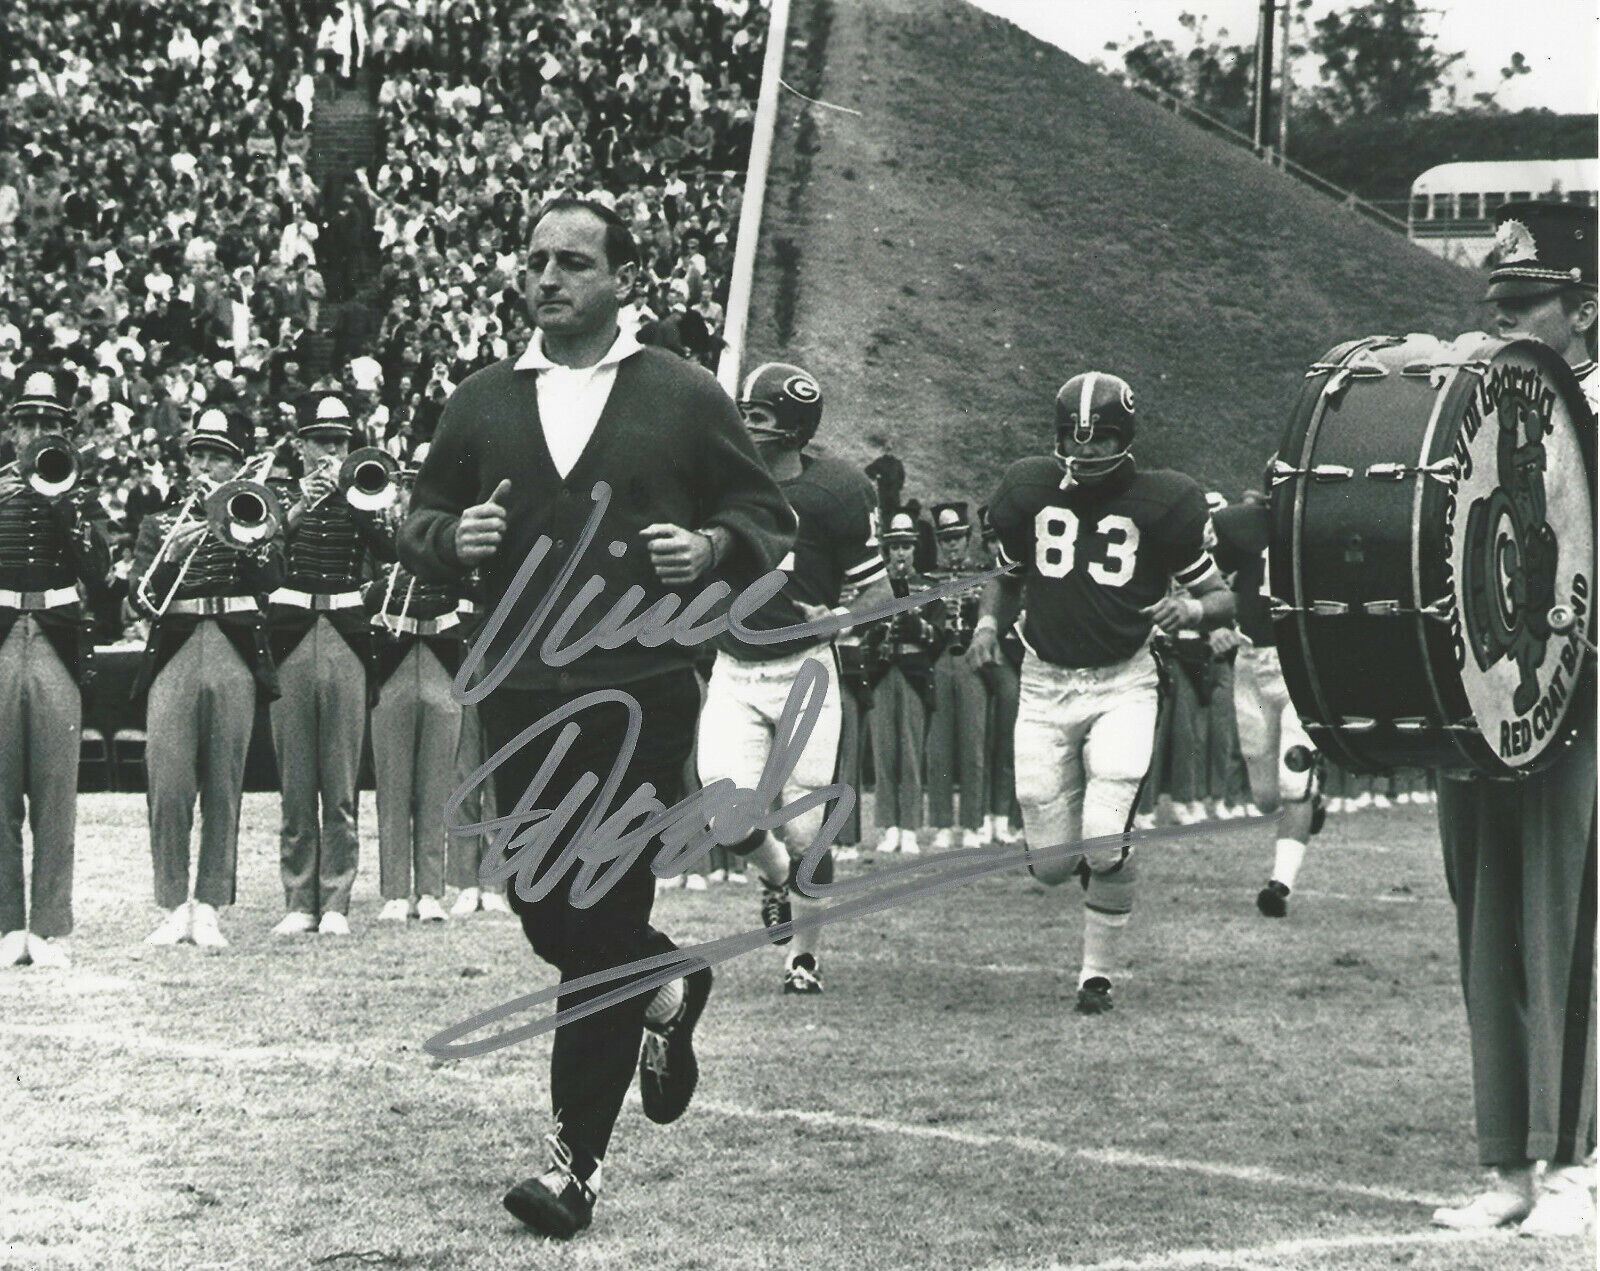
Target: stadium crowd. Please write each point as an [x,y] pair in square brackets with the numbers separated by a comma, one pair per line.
[163,240]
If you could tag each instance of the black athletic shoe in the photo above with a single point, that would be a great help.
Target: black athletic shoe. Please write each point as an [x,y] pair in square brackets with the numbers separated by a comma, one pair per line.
[556,1203]
[668,1070]
[1094,996]
[1273,900]
[776,910]
[802,975]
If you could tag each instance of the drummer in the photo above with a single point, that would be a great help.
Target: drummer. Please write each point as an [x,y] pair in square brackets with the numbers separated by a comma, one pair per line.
[1520,856]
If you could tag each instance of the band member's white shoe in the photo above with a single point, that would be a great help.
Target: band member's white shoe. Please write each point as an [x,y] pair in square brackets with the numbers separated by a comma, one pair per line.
[397,910]
[50,954]
[203,929]
[173,929]
[295,924]
[890,842]
[14,947]
[429,909]
[466,902]
[333,924]
[495,903]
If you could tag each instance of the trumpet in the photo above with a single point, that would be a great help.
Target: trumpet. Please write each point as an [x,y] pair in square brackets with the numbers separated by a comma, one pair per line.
[49,465]
[366,479]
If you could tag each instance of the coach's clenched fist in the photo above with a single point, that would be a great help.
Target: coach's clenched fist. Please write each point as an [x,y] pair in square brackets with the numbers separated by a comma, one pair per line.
[481,527]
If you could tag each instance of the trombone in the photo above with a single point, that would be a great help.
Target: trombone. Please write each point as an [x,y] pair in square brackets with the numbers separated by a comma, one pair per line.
[241,513]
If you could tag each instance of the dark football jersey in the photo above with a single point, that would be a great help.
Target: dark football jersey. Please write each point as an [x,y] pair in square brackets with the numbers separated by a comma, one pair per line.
[1092,557]
[834,548]
[1242,552]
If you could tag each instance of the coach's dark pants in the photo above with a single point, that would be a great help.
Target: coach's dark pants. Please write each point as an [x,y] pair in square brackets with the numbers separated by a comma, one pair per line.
[593,1058]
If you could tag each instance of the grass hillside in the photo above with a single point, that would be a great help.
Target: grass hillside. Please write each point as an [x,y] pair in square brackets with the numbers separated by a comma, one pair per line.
[999,217]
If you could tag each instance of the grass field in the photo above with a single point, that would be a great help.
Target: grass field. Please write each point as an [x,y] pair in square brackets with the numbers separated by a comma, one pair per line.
[1266,1094]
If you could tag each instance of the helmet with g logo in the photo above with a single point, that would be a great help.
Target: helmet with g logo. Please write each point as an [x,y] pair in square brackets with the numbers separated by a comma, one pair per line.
[789,395]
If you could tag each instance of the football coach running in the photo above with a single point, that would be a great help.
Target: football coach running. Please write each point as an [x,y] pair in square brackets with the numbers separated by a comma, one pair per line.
[520,454]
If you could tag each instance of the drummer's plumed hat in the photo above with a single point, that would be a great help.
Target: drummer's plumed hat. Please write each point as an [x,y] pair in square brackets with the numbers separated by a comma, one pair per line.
[1540,249]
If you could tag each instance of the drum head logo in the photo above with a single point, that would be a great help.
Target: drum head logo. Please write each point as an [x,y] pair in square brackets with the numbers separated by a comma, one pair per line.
[1522,549]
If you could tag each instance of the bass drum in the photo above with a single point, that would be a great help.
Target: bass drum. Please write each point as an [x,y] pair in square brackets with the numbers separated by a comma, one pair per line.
[1431,563]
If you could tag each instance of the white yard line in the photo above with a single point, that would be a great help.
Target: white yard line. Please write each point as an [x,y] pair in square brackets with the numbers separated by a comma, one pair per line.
[1116,1157]
[1266,1257]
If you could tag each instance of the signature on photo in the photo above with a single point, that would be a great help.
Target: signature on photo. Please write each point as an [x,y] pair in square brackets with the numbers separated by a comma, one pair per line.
[609,839]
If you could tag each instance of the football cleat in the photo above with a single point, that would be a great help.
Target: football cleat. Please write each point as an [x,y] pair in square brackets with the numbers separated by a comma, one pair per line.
[668,1070]
[802,974]
[1094,996]
[775,911]
[1273,899]
[556,1203]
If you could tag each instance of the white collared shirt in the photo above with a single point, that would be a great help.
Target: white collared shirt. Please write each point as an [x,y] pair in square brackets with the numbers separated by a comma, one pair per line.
[571,398]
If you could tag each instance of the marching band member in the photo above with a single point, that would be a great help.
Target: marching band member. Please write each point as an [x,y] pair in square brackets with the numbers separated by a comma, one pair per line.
[956,728]
[901,651]
[1519,856]
[49,554]
[321,641]
[416,731]
[205,659]
[464,854]
[1004,679]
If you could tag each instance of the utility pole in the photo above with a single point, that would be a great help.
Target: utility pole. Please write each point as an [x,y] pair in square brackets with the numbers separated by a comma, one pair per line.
[1283,87]
[1263,73]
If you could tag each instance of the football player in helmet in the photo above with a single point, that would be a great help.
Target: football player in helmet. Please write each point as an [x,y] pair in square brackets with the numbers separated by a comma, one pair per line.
[835,552]
[1093,543]
[1285,769]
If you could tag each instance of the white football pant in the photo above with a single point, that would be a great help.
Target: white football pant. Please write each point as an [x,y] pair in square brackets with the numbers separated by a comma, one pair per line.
[1083,744]
[1269,728]
[744,703]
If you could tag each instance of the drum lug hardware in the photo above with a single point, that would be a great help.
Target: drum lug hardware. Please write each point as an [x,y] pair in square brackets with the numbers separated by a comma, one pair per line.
[1439,610]
[1443,470]
[1356,724]
[1411,724]
[1381,608]
[1321,608]
[1323,472]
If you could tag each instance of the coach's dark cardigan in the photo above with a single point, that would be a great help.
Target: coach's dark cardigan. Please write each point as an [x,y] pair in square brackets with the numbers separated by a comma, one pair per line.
[672,448]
